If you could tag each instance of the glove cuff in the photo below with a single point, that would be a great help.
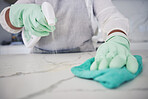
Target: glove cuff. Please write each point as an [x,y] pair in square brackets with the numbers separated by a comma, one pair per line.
[115,34]
[119,34]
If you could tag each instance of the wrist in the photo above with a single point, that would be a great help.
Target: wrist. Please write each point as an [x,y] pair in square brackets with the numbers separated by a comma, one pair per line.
[8,21]
[116,34]
[114,31]
[119,38]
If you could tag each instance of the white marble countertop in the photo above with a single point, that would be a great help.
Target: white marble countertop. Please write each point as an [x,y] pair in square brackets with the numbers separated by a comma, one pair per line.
[48,76]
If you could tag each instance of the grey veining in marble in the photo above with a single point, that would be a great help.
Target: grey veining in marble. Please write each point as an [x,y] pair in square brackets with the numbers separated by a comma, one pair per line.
[48,76]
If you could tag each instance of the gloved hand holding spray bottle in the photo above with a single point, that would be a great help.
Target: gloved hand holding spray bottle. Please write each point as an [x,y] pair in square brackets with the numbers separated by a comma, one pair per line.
[36,20]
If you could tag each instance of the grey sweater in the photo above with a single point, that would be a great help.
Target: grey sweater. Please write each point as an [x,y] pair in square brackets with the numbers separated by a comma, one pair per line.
[73,28]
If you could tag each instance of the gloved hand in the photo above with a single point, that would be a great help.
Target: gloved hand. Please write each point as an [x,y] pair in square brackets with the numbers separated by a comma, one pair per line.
[31,17]
[115,53]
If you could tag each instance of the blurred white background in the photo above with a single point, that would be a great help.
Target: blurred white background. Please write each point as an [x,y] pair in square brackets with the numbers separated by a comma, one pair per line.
[137,13]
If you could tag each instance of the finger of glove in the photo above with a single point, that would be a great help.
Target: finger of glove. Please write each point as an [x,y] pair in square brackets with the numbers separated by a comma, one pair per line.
[102,52]
[100,55]
[39,21]
[44,24]
[34,16]
[39,33]
[104,64]
[34,31]
[112,53]
[39,16]
[98,58]
[123,52]
[132,64]
[93,66]
[43,21]
[44,27]
[38,26]
[119,60]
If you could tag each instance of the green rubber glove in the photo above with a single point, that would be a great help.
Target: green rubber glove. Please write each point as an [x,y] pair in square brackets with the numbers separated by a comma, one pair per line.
[115,53]
[31,17]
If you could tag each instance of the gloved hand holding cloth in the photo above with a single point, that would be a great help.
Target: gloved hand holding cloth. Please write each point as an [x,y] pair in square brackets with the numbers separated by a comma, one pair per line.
[115,53]
[113,64]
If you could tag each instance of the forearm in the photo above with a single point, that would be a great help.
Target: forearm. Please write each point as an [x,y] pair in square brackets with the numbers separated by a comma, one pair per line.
[110,19]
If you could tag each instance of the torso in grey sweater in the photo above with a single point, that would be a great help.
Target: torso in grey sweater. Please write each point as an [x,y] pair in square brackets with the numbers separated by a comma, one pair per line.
[73,27]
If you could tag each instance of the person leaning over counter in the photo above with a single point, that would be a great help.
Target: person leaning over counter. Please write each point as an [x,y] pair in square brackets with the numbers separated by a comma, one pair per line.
[73,31]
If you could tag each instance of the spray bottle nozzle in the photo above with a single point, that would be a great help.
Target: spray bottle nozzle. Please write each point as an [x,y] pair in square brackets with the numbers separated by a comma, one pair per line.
[48,13]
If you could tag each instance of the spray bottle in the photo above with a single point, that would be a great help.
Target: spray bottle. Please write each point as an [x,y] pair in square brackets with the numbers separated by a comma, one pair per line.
[49,14]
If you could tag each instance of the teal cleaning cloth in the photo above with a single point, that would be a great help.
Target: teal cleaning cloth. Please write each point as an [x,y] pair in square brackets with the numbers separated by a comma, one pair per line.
[109,78]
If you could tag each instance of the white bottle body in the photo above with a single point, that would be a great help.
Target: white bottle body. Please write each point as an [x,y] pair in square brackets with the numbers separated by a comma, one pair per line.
[32,41]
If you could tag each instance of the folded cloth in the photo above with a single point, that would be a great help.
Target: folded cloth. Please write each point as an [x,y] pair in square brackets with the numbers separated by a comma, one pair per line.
[109,78]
